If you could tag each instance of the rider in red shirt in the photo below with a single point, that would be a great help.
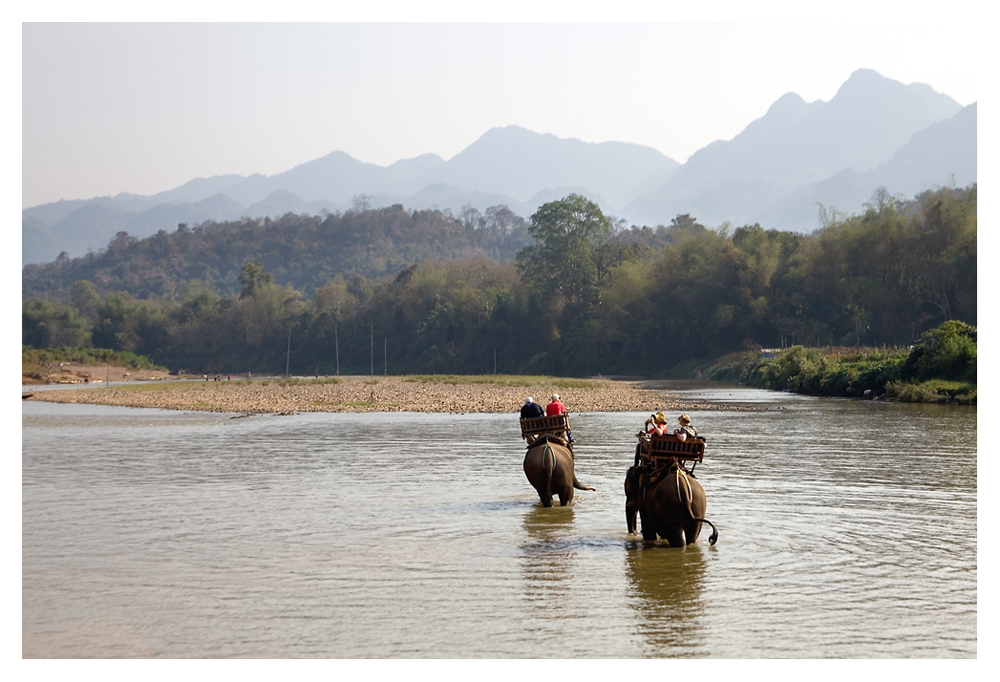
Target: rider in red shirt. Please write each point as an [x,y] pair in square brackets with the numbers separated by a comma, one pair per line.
[555,407]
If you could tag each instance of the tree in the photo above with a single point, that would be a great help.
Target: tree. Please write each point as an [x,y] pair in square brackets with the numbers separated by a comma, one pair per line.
[85,298]
[47,325]
[471,218]
[562,263]
[361,202]
[501,220]
[253,278]
[948,352]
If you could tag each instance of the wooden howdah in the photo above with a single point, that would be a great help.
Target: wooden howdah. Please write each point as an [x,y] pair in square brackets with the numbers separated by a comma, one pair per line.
[556,425]
[668,446]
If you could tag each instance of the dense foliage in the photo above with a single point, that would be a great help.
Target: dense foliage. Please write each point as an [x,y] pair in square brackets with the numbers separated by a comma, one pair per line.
[301,251]
[941,366]
[584,295]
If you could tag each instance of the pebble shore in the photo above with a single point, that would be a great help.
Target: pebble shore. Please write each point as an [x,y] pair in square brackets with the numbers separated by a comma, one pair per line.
[379,394]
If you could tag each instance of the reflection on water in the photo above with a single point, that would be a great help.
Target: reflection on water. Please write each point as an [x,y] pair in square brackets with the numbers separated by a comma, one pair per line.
[666,591]
[548,563]
[847,529]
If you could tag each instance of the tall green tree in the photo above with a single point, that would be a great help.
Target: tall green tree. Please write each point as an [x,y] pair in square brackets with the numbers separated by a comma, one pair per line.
[86,299]
[562,262]
[253,278]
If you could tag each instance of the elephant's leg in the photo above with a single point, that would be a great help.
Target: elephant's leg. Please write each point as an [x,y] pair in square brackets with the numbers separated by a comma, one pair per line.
[546,498]
[648,531]
[675,535]
[566,496]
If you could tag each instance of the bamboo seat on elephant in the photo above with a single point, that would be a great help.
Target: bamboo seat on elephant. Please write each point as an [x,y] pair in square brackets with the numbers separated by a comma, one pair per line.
[659,449]
[557,425]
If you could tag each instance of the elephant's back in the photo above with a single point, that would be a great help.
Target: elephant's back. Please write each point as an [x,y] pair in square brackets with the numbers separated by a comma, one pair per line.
[667,488]
[534,457]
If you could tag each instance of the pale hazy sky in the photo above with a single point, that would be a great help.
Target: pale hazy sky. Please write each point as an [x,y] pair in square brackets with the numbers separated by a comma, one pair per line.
[145,107]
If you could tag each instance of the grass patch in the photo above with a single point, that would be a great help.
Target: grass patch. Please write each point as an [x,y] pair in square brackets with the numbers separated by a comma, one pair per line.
[203,385]
[363,403]
[933,391]
[172,385]
[86,356]
[297,382]
[508,380]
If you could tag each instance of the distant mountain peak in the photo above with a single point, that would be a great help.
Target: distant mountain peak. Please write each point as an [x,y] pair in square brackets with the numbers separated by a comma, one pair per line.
[865,83]
[797,144]
[788,109]
[795,152]
[790,100]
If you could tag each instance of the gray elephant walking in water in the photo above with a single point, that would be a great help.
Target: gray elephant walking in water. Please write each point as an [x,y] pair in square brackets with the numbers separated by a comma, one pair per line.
[670,503]
[549,468]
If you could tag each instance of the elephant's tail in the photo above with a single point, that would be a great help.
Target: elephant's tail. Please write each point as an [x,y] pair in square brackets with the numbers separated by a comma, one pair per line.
[713,538]
[549,464]
[685,493]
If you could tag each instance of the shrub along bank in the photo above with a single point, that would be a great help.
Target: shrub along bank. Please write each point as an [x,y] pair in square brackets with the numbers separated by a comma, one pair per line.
[40,357]
[941,368]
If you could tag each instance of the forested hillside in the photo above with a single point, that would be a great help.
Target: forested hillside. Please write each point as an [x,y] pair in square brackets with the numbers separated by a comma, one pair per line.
[302,251]
[584,297]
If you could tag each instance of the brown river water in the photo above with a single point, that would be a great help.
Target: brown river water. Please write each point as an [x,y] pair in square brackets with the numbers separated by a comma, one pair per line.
[847,529]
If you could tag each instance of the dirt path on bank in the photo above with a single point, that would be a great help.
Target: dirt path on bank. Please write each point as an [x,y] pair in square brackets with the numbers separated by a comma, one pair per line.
[382,394]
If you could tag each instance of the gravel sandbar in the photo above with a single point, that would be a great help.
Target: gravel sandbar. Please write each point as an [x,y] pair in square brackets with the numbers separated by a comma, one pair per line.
[381,394]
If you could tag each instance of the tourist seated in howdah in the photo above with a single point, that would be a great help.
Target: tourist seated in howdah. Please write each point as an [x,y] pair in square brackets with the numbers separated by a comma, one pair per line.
[659,447]
[536,425]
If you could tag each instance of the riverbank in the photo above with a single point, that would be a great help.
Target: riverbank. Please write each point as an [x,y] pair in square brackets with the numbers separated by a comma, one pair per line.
[86,366]
[381,394]
[74,373]
[940,369]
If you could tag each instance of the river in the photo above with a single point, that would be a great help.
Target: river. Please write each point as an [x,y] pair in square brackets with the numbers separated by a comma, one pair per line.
[847,529]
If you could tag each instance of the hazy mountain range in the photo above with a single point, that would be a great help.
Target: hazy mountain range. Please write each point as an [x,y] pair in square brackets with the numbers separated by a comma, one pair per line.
[875,132]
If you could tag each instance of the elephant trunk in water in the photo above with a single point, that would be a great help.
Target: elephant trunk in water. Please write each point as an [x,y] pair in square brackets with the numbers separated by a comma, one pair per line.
[633,484]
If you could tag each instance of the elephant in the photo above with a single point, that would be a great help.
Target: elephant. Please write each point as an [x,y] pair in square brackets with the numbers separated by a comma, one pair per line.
[670,503]
[549,468]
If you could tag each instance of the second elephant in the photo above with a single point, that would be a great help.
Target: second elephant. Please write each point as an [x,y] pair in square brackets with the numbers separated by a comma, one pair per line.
[670,504]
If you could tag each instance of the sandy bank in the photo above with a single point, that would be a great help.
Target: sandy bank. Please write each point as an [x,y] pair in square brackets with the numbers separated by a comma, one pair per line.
[75,373]
[362,394]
